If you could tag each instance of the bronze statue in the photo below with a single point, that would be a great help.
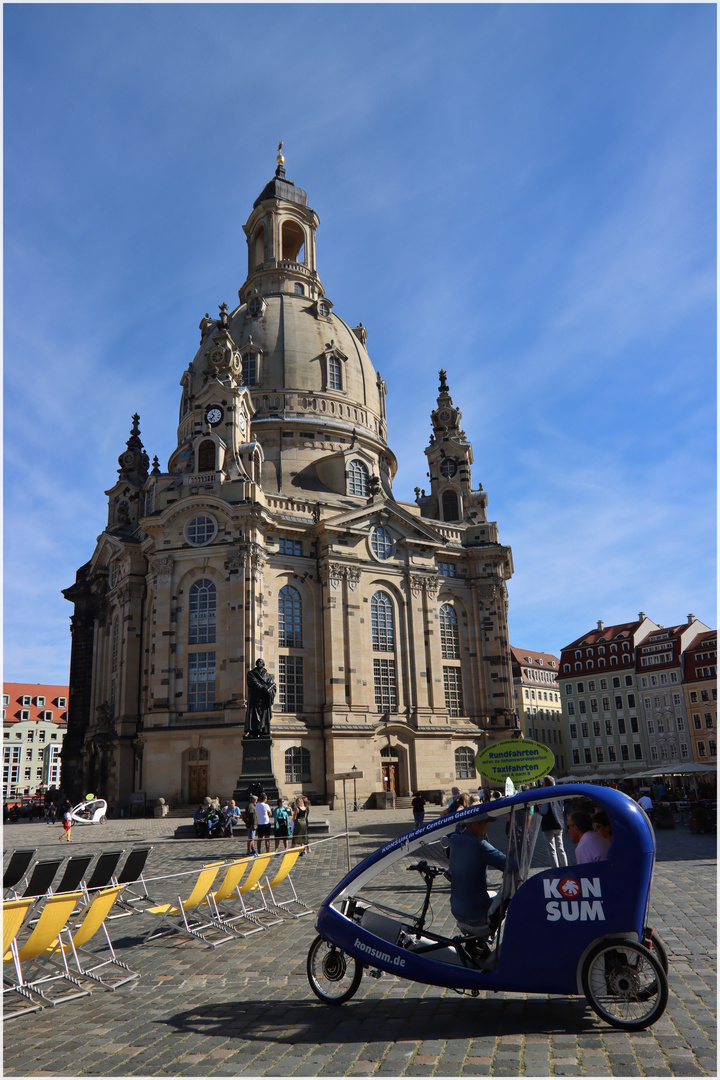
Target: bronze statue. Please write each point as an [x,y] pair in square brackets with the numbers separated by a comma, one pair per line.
[261,695]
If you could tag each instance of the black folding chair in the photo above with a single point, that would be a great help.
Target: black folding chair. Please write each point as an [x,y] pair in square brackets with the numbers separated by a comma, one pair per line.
[41,879]
[131,873]
[74,873]
[104,870]
[15,869]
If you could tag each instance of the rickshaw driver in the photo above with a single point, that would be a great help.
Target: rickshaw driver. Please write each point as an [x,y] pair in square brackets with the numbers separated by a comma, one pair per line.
[470,855]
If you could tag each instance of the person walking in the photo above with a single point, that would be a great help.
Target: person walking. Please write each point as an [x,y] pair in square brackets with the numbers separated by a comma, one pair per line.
[418,809]
[553,822]
[67,826]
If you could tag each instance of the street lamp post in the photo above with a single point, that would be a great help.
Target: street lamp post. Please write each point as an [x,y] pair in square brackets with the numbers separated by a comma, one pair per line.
[354,770]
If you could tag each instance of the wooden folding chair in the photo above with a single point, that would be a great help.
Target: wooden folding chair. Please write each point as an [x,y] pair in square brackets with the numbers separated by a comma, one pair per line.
[283,875]
[229,889]
[174,917]
[53,917]
[86,962]
[14,912]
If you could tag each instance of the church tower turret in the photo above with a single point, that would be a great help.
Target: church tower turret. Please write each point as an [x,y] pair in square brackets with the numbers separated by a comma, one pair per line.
[449,459]
[124,508]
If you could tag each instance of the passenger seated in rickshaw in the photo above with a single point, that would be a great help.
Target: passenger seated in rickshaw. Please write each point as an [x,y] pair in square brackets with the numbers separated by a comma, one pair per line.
[470,855]
[590,846]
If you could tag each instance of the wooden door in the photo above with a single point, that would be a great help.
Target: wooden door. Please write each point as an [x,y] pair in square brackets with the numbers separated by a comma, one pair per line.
[197,783]
[390,776]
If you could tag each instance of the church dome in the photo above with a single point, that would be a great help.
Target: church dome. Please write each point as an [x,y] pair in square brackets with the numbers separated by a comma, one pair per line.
[303,362]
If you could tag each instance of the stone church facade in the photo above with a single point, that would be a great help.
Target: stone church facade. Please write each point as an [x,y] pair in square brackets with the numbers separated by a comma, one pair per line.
[274,533]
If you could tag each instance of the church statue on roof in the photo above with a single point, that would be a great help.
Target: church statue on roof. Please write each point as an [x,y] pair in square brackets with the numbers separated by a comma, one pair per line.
[273,533]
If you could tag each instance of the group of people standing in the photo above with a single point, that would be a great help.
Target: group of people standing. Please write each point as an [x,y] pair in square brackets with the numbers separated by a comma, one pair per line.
[283,822]
[286,823]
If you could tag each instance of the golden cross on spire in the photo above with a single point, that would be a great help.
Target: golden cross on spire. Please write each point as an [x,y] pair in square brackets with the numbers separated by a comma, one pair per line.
[280,158]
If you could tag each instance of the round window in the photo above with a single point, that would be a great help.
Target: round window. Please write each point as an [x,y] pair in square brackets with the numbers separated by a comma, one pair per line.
[200,530]
[381,542]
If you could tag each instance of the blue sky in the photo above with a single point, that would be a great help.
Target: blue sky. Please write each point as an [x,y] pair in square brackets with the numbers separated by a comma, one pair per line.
[523,195]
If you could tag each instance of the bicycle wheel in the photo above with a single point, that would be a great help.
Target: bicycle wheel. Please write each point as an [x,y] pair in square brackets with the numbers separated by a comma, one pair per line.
[625,984]
[333,976]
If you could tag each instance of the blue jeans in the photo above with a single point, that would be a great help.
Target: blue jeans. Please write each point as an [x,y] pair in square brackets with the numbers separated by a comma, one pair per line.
[419,818]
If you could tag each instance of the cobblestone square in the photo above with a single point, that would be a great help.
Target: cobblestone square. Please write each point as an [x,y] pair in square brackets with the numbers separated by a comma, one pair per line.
[246,1009]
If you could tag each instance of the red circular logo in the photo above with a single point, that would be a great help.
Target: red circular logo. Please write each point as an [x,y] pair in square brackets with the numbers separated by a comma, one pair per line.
[569,887]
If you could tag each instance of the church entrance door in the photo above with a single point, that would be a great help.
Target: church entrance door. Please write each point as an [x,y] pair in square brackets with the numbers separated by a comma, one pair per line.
[390,770]
[197,783]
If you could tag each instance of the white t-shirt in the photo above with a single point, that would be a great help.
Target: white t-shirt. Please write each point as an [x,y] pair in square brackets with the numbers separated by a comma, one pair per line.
[264,813]
[646,803]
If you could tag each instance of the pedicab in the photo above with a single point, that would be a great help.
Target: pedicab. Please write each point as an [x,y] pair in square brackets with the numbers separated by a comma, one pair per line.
[90,811]
[580,929]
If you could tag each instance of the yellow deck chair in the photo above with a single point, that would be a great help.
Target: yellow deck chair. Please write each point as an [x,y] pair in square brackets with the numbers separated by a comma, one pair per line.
[174,917]
[87,963]
[14,912]
[292,905]
[227,891]
[261,913]
[53,917]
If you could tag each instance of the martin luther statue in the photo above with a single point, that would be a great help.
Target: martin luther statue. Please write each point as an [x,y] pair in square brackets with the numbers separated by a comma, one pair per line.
[261,695]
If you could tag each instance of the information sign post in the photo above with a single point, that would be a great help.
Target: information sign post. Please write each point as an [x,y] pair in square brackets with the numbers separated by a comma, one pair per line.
[355,775]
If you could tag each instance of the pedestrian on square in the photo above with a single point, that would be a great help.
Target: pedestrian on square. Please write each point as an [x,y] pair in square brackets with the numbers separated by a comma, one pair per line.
[281,819]
[264,819]
[553,822]
[647,805]
[251,820]
[418,809]
[50,814]
[301,809]
[67,826]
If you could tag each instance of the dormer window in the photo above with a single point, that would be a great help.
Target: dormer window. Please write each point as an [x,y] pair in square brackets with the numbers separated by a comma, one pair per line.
[323,310]
[299,289]
[255,307]
[206,456]
[358,478]
[334,373]
[249,370]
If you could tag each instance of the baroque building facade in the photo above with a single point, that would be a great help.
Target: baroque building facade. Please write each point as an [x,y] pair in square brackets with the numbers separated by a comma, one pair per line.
[537,701]
[274,533]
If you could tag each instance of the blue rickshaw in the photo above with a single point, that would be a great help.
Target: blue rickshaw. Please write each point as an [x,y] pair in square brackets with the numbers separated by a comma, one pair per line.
[579,929]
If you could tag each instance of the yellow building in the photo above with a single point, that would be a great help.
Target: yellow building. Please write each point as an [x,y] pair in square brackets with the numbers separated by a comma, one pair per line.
[274,533]
[537,701]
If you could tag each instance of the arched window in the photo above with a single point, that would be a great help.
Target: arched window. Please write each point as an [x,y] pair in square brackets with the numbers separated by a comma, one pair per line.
[203,605]
[449,640]
[289,618]
[465,763]
[381,615]
[450,505]
[358,478]
[381,542]
[259,247]
[293,242]
[297,765]
[206,456]
[334,373]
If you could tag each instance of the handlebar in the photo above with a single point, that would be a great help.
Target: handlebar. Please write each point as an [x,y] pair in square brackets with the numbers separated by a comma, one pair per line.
[429,871]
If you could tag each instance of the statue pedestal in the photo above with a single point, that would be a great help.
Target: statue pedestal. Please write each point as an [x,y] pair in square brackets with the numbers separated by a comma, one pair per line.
[256,775]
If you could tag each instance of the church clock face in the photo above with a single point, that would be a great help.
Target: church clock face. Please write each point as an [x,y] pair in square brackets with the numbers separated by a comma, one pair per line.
[213,414]
[444,416]
[448,467]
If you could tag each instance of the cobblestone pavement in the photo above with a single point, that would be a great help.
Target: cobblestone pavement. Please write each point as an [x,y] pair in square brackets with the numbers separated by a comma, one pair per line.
[245,1008]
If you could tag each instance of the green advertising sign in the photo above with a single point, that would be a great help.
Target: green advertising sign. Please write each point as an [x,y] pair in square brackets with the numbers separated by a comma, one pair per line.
[523,760]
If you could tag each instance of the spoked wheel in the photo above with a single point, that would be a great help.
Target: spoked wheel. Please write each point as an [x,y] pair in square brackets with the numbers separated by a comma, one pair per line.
[625,984]
[333,976]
